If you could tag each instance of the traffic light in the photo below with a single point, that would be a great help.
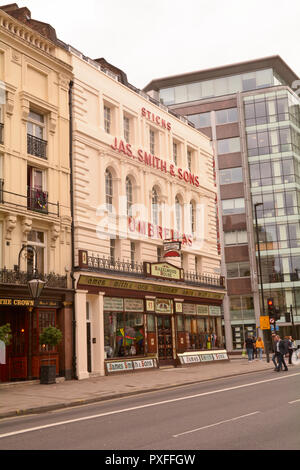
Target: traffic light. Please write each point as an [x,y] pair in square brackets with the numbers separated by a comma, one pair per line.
[270,304]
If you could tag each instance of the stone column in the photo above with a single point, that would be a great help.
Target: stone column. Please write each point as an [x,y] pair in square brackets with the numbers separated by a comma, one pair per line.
[98,333]
[81,340]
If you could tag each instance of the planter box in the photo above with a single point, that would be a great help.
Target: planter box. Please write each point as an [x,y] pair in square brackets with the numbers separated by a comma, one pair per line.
[48,374]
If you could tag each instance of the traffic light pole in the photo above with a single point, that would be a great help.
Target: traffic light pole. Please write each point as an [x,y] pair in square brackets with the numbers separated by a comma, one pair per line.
[266,339]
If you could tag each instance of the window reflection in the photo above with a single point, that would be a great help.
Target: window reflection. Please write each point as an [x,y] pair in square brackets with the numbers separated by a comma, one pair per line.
[218,87]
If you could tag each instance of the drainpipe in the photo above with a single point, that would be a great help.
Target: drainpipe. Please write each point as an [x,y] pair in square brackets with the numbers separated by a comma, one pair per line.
[72,226]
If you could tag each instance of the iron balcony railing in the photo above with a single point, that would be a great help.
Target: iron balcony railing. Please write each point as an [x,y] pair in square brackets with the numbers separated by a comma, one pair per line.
[16,277]
[135,269]
[36,146]
[1,133]
[36,200]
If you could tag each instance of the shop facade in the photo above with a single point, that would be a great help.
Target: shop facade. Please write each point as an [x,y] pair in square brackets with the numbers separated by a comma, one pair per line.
[147,267]
[136,323]
[24,356]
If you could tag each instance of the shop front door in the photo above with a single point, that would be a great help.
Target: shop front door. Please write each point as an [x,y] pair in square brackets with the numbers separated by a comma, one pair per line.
[164,330]
[17,352]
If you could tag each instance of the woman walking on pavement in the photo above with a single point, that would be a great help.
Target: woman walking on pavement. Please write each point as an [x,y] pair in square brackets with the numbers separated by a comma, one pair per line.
[260,347]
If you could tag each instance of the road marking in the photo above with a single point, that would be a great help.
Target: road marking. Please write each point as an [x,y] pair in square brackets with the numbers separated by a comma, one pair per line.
[125,410]
[295,401]
[216,424]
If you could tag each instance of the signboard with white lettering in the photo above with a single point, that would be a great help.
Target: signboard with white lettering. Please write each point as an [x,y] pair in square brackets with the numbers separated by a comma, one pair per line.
[130,365]
[202,356]
[113,304]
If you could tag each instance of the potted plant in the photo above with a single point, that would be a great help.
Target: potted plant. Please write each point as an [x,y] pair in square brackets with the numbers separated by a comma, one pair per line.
[50,337]
[5,334]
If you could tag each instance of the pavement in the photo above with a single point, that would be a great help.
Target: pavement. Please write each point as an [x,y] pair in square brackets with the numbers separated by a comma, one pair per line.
[22,398]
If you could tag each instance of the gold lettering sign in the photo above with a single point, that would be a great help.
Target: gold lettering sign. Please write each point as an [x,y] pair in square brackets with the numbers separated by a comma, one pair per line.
[17,302]
[145,287]
[165,270]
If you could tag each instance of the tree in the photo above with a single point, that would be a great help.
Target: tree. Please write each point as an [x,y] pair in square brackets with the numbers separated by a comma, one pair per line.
[50,336]
[5,334]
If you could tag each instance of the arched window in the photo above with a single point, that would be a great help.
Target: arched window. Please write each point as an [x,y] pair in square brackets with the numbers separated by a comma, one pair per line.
[129,195]
[155,208]
[178,213]
[192,216]
[108,190]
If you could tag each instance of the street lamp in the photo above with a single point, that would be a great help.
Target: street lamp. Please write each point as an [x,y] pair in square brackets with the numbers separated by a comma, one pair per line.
[260,275]
[35,287]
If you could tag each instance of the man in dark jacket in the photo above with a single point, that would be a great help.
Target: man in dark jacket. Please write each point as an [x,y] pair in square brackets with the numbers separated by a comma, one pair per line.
[280,351]
[249,347]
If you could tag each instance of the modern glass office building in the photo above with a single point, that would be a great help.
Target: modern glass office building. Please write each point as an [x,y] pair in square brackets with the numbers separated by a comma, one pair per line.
[251,112]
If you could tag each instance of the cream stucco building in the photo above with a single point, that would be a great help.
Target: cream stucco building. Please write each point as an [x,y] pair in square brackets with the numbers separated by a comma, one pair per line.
[142,176]
[35,72]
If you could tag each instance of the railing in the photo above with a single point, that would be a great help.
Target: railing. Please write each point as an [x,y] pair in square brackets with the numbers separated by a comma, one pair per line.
[35,200]
[1,132]
[135,269]
[36,146]
[9,276]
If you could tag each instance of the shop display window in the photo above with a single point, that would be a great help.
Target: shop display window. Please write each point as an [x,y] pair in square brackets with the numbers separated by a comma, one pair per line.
[124,334]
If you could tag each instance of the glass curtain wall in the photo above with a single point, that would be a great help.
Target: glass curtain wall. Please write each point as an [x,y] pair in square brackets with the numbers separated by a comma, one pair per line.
[219,86]
[272,123]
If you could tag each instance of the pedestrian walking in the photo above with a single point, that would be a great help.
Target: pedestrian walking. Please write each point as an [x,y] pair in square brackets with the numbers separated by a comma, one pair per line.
[290,348]
[254,354]
[281,349]
[273,346]
[249,347]
[260,347]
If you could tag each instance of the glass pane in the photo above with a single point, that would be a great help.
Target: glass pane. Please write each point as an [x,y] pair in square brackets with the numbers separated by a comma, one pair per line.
[207,88]
[151,323]
[181,94]
[167,95]
[194,91]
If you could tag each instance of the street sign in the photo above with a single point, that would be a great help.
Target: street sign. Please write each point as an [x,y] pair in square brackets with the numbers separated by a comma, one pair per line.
[272,320]
[265,322]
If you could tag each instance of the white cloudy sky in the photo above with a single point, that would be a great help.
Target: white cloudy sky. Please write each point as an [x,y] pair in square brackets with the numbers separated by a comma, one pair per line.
[155,38]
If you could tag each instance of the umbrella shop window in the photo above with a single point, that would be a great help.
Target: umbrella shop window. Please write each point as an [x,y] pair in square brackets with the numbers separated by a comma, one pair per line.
[124,334]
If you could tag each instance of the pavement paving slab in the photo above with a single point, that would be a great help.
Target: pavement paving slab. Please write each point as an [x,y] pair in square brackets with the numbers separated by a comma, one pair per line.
[32,397]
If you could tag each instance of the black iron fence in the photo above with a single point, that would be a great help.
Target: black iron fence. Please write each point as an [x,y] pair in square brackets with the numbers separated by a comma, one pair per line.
[36,200]
[9,276]
[136,269]
[36,146]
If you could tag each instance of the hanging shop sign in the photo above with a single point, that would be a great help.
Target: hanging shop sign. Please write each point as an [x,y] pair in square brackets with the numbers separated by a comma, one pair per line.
[215,311]
[133,305]
[172,249]
[193,309]
[113,304]
[189,309]
[163,306]
[164,270]
[155,162]
[202,309]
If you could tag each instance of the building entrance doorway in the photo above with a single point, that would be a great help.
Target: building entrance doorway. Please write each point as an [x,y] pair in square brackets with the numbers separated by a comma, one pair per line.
[165,348]
[17,352]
